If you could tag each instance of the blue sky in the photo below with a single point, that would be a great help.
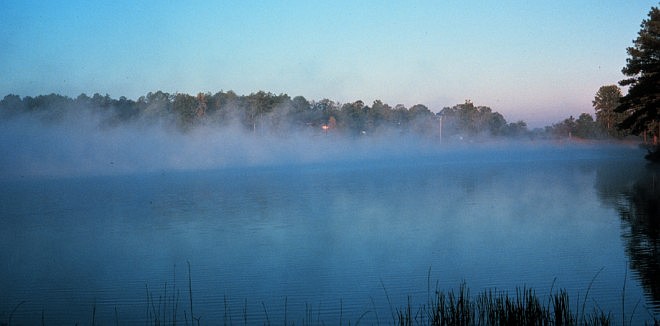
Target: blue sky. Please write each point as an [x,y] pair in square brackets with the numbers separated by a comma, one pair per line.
[539,61]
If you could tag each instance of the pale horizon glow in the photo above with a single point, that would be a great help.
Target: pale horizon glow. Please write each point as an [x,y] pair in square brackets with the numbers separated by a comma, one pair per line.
[539,62]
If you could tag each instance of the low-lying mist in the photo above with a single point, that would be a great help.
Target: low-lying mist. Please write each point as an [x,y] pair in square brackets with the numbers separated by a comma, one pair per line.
[84,144]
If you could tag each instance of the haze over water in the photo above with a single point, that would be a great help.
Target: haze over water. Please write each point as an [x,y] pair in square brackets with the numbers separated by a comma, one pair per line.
[334,235]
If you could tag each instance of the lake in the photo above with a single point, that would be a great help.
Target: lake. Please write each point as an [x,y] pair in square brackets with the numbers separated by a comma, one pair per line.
[324,241]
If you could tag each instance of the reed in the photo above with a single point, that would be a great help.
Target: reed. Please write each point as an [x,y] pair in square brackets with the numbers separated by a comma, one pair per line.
[165,310]
[493,307]
[453,307]
[11,315]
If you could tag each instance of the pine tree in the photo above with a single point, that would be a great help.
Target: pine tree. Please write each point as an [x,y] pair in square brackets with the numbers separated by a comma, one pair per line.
[642,102]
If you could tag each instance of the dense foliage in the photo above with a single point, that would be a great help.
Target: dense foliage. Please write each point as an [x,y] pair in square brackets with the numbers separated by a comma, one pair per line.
[604,126]
[605,103]
[468,120]
[268,113]
[264,112]
[643,67]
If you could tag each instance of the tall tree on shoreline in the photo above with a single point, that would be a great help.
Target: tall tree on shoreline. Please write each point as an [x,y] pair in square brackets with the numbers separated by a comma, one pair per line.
[641,104]
[604,103]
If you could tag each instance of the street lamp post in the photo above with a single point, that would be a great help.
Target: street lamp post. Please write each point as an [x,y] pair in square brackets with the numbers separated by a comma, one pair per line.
[440,125]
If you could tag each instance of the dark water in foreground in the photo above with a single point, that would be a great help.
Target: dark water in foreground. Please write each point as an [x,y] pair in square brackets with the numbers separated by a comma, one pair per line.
[328,240]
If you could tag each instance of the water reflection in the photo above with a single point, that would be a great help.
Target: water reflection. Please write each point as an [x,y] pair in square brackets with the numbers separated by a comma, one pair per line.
[634,192]
[319,235]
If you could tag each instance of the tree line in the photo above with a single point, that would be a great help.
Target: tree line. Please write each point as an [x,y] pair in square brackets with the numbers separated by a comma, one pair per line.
[268,112]
[606,124]
[262,112]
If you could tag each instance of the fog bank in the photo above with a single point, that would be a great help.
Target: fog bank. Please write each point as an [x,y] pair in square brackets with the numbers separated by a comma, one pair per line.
[82,145]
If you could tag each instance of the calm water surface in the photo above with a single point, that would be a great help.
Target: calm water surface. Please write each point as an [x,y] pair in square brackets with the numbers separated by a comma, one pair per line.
[329,241]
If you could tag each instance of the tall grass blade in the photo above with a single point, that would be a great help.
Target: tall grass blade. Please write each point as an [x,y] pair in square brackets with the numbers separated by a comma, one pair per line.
[586,295]
[266,313]
[94,313]
[11,315]
[623,298]
[192,316]
[389,302]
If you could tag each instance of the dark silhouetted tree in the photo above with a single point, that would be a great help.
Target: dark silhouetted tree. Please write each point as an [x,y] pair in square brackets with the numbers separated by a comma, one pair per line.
[11,105]
[565,128]
[497,124]
[378,115]
[421,120]
[185,106]
[604,103]
[516,129]
[585,126]
[468,120]
[353,116]
[642,102]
